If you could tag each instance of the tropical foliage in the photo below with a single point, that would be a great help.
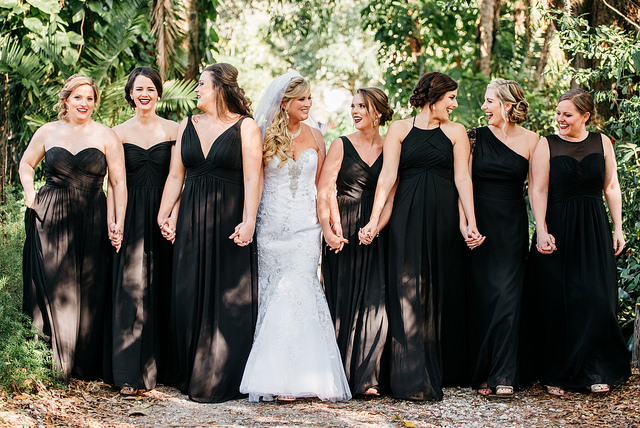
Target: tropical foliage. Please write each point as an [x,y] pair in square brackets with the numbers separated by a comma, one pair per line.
[340,45]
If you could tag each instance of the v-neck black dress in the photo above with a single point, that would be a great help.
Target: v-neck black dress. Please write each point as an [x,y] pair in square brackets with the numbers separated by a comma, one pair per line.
[354,278]
[142,273]
[498,265]
[214,291]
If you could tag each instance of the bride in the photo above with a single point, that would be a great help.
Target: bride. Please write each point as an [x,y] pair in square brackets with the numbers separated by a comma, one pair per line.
[294,351]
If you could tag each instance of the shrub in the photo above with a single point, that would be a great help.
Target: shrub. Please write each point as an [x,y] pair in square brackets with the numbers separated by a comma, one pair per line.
[25,363]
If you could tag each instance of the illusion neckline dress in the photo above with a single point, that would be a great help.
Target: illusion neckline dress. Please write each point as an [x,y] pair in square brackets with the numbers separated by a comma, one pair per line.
[294,352]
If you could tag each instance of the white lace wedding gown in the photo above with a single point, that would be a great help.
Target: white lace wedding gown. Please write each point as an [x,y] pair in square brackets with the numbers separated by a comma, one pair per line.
[294,350]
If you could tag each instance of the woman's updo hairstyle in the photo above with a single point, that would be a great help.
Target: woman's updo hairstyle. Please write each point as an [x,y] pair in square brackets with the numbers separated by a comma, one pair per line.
[70,85]
[510,92]
[277,139]
[378,99]
[149,72]
[583,102]
[229,96]
[430,88]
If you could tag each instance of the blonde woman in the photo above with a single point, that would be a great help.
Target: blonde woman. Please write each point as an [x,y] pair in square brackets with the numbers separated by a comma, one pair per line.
[66,252]
[499,167]
[294,352]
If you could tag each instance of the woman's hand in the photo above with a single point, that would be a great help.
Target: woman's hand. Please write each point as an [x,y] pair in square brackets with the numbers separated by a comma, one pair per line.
[243,233]
[545,243]
[368,233]
[29,198]
[618,242]
[335,240]
[472,237]
[168,229]
[115,236]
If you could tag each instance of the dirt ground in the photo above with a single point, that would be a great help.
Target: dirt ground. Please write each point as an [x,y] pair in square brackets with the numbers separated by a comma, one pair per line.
[94,404]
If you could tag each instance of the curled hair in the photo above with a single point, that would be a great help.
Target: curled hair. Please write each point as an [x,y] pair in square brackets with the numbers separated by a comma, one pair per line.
[431,88]
[376,98]
[510,92]
[278,140]
[229,96]
[149,72]
[70,85]
[583,102]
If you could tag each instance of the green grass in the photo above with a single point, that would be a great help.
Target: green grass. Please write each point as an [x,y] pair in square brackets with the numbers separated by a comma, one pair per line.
[25,362]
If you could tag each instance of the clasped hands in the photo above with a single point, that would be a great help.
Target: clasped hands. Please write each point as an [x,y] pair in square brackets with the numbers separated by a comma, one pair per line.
[115,235]
[168,229]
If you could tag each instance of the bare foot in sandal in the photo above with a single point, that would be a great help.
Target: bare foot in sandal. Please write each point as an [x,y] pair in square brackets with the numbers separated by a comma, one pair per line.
[599,388]
[554,390]
[484,390]
[504,390]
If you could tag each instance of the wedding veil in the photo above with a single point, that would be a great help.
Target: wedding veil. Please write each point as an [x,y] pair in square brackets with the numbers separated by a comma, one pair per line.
[270,102]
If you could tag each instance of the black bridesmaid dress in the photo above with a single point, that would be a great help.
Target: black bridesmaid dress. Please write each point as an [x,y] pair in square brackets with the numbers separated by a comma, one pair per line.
[66,262]
[426,271]
[498,265]
[573,294]
[142,274]
[214,290]
[354,278]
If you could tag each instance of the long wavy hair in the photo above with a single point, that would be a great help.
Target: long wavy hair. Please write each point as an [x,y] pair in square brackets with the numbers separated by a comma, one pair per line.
[278,140]
[229,96]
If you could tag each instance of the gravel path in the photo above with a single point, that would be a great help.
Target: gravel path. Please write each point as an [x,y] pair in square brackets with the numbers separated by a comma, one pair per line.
[98,405]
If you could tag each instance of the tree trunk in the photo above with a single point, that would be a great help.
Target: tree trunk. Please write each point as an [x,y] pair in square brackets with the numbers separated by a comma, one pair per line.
[544,55]
[489,10]
[193,42]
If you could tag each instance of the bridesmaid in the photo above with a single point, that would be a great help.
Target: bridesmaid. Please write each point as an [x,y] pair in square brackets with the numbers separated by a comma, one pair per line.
[500,166]
[142,268]
[429,155]
[577,340]
[66,252]
[354,274]
[218,158]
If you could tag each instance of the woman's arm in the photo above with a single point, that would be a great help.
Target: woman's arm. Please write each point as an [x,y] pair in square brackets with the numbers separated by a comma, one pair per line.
[30,159]
[172,188]
[391,160]
[251,171]
[546,243]
[462,179]
[612,194]
[117,187]
[327,201]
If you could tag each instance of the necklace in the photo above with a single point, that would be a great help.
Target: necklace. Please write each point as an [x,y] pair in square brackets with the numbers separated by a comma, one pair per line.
[297,132]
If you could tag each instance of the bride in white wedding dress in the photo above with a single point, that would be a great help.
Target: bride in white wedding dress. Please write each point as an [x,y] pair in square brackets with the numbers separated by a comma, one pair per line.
[294,352]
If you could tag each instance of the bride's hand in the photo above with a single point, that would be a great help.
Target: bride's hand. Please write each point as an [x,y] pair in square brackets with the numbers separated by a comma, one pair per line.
[243,233]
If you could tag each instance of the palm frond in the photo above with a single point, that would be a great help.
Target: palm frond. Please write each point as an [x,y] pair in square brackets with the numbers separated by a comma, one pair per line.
[128,19]
[177,95]
[166,27]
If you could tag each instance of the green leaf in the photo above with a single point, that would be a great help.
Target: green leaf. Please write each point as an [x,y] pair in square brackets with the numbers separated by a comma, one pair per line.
[75,38]
[7,4]
[33,24]
[47,6]
[636,59]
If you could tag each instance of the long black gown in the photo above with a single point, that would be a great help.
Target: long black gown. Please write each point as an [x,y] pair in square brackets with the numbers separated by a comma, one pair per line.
[426,270]
[214,290]
[498,265]
[577,341]
[142,273]
[354,279]
[66,261]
